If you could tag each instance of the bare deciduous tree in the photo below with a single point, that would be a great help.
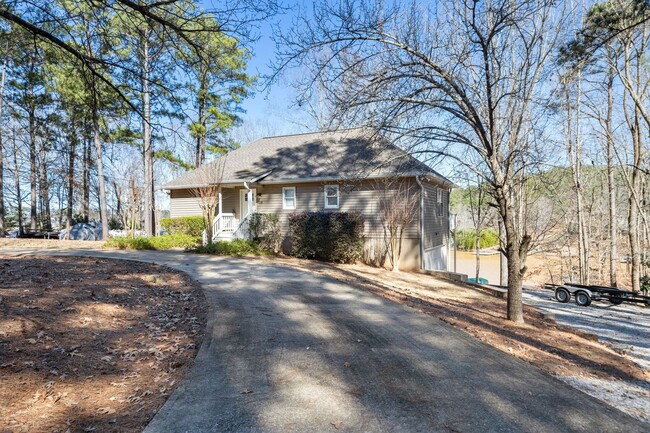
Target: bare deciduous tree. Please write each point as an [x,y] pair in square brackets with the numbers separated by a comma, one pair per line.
[209,177]
[398,205]
[455,79]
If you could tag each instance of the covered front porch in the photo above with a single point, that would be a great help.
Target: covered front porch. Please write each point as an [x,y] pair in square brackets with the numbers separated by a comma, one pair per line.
[235,205]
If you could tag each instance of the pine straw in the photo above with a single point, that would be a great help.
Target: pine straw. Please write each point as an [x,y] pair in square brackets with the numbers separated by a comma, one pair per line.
[92,345]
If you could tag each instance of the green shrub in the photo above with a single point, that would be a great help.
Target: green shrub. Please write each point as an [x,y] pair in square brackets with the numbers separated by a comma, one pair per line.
[265,230]
[237,247]
[466,239]
[190,225]
[163,242]
[328,236]
[273,235]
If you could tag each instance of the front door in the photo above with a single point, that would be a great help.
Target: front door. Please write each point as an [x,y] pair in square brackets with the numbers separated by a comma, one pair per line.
[243,201]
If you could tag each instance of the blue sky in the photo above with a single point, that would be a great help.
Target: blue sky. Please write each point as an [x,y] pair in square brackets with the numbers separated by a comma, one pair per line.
[269,111]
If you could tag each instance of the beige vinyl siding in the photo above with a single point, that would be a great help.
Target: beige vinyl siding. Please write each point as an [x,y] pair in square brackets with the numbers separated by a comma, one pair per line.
[435,227]
[360,197]
[363,197]
[183,203]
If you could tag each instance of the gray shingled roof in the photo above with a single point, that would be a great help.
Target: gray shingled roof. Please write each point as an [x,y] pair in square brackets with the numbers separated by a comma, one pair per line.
[338,155]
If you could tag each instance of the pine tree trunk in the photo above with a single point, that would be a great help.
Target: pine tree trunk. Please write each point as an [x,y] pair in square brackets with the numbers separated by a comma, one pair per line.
[33,220]
[2,167]
[103,207]
[201,136]
[19,198]
[85,199]
[71,159]
[44,188]
[149,206]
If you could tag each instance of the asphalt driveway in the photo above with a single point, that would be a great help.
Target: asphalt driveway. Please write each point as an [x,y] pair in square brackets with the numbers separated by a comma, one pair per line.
[292,351]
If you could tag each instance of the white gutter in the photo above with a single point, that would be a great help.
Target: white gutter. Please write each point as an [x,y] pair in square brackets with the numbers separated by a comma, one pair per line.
[234,182]
[417,179]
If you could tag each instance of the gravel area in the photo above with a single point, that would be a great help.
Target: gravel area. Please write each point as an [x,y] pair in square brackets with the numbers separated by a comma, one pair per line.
[626,328]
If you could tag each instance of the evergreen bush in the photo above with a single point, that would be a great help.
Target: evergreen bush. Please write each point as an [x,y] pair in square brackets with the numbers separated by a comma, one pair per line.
[189,225]
[327,236]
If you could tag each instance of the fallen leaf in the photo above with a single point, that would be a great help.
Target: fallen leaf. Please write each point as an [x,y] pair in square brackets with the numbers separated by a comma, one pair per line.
[246,391]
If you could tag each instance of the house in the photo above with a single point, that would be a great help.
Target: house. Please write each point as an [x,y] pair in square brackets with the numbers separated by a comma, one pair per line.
[344,170]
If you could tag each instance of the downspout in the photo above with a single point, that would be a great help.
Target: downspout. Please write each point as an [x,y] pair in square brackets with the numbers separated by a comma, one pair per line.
[417,179]
[248,190]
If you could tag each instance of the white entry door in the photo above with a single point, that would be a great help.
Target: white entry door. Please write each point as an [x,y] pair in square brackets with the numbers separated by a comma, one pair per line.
[243,201]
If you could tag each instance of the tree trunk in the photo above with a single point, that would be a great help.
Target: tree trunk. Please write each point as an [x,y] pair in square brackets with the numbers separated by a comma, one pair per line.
[478,255]
[633,213]
[503,260]
[574,152]
[71,159]
[149,206]
[85,199]
[19,199]
[2,167]
[44,187]
[103,207]
[201,136]
[516,249]
[32,169]
[611,184]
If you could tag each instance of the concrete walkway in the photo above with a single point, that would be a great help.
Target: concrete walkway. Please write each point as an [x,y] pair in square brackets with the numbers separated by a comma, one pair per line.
[292,351]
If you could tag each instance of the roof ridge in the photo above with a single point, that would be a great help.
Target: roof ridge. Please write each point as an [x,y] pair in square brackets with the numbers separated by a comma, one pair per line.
[310,133]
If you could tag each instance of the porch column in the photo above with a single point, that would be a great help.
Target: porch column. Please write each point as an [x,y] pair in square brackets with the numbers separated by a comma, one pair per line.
[250,201]
[220,204]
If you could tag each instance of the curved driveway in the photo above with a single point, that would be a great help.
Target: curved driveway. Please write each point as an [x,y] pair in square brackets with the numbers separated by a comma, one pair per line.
[292,351]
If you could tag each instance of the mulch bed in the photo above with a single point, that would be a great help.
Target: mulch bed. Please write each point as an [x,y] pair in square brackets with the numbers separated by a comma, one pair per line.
[92,345]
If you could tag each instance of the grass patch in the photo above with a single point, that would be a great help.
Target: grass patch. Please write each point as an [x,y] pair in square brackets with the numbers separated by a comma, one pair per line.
[237,247]
[164,242]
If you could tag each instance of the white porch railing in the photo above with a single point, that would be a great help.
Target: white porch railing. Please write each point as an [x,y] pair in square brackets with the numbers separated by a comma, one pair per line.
[225,226]
[242,231]
[224,223]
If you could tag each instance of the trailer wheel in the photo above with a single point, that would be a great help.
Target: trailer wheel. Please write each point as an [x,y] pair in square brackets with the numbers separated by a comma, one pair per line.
[582,298]
[562,295]
[616,300]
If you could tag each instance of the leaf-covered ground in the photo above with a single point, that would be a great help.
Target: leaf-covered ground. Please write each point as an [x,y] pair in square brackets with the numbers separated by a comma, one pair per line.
[92,345]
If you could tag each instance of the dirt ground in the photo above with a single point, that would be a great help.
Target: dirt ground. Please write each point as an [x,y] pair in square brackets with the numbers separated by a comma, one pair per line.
[48,244]
[92,345]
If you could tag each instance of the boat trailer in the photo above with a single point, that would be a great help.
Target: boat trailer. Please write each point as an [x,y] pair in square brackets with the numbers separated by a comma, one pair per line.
[584,295]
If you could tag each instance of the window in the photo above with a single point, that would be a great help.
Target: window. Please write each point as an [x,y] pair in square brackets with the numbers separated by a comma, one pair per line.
[289,197]
[439,202]
[331,196]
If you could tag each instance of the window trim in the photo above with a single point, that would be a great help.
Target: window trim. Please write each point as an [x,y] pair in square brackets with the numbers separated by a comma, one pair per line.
[440,207]
[284,200]
[338,197]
